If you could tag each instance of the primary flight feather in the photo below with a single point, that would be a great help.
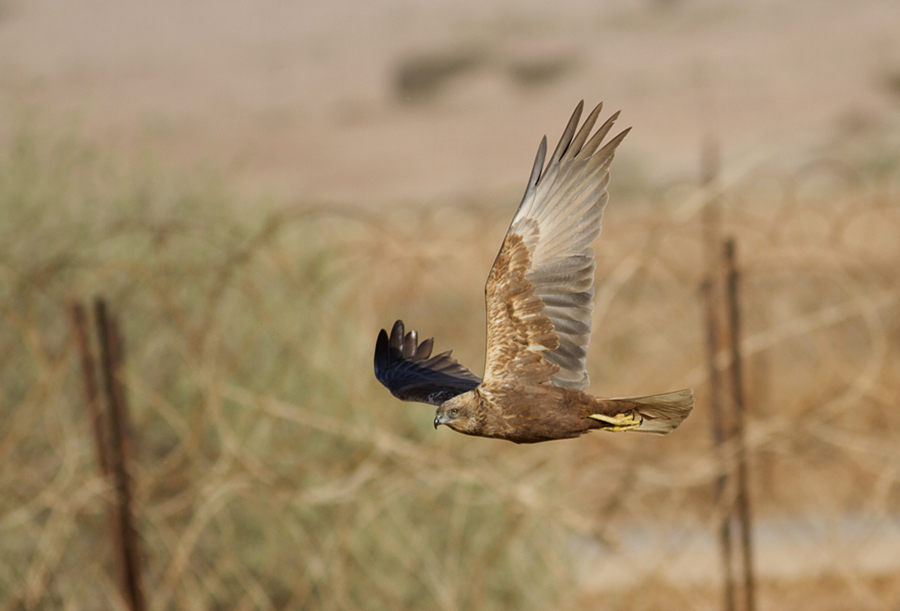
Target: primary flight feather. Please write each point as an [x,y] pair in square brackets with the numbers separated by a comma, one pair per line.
[539,300]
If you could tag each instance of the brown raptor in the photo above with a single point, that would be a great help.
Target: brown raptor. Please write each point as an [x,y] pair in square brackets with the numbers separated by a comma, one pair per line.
[539,299]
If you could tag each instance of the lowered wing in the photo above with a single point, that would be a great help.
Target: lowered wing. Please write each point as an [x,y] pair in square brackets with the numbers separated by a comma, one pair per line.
[539,293]
[407,369]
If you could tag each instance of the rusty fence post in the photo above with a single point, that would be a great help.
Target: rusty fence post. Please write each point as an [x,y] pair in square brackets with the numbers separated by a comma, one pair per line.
[89,375]
[737,388]
[720,437]
[126,537]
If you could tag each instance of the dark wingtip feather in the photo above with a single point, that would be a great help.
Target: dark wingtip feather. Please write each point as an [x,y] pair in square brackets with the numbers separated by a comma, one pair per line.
[595,141]
[424,349]
[409,345]
[538,167]
[397,332]
[583,133]
[566,138]
[382,353]
[615,142]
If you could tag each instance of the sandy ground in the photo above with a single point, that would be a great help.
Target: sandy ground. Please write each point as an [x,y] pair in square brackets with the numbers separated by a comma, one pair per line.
[299,100]
[786,548]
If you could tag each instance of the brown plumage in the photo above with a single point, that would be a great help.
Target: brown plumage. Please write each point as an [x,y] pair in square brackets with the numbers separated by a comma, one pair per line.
[539,300]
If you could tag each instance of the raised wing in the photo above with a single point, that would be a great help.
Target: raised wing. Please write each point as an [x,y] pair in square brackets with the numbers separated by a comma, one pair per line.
[408,370]
[539,293]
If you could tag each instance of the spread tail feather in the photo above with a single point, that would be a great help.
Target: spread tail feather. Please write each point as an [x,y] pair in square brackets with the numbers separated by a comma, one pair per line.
[658,414]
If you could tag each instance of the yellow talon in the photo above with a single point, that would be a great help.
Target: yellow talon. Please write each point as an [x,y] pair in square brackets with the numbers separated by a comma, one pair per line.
[620,422]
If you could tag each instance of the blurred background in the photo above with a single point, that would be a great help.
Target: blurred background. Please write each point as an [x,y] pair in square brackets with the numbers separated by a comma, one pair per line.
[257,188]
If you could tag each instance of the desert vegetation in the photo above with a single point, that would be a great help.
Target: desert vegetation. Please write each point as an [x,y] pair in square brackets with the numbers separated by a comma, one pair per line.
[271,471]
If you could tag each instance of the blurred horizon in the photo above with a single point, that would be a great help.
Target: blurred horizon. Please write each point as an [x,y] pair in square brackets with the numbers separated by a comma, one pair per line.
[373,102]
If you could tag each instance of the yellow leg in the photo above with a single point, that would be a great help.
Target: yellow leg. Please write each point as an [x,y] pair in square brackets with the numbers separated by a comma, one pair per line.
[620,422]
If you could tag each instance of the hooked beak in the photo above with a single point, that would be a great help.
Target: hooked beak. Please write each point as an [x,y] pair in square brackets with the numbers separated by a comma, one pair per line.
[437,421]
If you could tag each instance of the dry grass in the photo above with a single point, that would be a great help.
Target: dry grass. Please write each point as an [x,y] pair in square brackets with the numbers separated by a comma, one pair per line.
[272,472]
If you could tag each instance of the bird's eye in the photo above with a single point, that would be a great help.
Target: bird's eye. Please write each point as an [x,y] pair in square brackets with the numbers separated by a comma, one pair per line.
[454,411]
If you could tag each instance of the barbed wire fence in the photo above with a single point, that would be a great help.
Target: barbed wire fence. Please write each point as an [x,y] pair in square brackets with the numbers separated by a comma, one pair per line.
[270,471]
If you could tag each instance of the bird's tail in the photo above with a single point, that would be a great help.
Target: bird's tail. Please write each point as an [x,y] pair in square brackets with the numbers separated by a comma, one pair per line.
[659,414]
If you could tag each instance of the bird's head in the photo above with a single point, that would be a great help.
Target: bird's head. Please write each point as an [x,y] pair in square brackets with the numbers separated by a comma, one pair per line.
[457,413]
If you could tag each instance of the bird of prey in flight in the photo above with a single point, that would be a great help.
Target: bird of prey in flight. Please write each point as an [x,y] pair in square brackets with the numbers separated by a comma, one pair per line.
[539,299]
